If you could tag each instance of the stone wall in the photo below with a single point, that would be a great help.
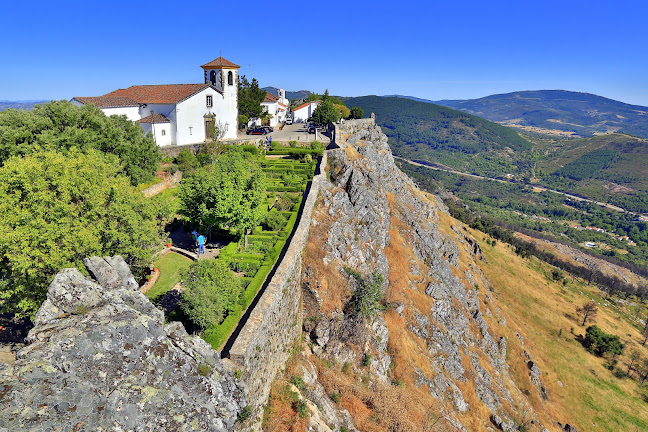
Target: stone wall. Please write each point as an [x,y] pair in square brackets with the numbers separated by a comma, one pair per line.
[264,344]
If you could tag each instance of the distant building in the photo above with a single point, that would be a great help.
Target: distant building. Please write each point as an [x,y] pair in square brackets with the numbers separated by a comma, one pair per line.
[179,113]
[304,111]
[276,106]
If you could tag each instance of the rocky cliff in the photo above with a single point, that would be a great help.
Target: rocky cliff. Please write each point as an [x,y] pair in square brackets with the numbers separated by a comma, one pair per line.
[429,359]
[101,358]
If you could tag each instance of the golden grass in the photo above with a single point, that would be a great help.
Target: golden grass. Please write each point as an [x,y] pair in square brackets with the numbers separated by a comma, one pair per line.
[543,312]
[334,288]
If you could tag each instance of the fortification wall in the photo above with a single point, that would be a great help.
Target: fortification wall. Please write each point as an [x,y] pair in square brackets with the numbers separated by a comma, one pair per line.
[265,342]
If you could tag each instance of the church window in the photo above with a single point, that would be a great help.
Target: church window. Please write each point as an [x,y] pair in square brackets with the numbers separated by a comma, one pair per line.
[230,78]
[209,101]
[212,77]
[163,132]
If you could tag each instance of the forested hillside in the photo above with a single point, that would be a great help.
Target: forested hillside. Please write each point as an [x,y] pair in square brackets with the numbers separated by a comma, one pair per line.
[419,130]
[583,114]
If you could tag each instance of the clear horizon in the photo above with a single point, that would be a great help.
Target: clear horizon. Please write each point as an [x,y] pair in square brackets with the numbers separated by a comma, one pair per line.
[430,50]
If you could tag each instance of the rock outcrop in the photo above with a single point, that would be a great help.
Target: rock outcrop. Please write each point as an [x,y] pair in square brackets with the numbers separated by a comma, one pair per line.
[100,358]
[371,219]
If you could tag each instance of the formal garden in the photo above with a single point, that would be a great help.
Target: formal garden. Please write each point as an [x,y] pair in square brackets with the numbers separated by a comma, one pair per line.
[245,200]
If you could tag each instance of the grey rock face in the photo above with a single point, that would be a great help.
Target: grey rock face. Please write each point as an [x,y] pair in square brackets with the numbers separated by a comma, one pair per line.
[100,358]
[369,204]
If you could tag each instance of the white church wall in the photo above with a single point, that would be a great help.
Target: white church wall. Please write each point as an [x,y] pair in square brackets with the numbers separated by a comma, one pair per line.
[191,116]
[131,113]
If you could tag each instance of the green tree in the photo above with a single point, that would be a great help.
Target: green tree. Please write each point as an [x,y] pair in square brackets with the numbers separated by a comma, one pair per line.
[211,291]
[229,193]
[598,342]
[56,209]
[61,126]
[356,113]
[250,97]
[326,113]
[344,111]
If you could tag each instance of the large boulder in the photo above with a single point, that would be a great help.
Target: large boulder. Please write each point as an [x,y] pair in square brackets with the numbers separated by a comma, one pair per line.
[101,358]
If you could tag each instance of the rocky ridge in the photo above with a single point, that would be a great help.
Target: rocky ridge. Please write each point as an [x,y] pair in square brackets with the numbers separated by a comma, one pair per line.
[372,218]
[100,358]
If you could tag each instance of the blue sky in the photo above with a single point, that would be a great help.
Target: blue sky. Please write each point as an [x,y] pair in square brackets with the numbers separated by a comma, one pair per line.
[429,49]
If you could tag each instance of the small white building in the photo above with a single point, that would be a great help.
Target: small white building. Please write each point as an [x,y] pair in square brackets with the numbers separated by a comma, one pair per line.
[179,113]
[304,111]
[276,106]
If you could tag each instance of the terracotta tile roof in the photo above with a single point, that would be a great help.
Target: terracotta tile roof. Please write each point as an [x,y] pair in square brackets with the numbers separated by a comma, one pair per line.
[107,101]
[160,94]
[269,97]
[220,63]
[155,118]
[305,104]
[283,105]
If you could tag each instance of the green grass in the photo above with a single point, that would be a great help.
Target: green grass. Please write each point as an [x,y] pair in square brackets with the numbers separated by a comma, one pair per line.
[170,266]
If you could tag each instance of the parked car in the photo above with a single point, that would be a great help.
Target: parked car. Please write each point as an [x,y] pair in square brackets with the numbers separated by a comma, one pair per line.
[311,128]
[289,120]
[268,129]
[257,131]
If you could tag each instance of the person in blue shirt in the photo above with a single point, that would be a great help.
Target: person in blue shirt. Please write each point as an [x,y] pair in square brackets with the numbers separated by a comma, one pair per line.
[201,245]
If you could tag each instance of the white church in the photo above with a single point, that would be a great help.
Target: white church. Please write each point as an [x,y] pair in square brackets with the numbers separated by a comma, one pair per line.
[178,114]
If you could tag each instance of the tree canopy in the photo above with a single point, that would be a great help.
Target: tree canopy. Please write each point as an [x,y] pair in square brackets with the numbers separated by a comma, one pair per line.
[55,210]
[315,96]
[62,125]
[356,113]
[598,342]
[229,193]
[250,97]
[326,113]
[211,290]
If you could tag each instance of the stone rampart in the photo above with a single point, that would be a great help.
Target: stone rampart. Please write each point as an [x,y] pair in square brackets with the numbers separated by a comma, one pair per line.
[350,127]
[264,344]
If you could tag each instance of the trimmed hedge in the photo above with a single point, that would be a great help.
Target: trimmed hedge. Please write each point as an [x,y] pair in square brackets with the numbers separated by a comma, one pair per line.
[294,151]
[255,284]
[285,188]
[217,335]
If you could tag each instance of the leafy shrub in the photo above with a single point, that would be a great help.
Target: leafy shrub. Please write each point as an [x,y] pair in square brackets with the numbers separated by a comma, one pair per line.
[244,414]
[293,144]
[366,361]
[297,382]
[317,146]
[211,291]
[365,301]
[335,397]
[301,408]
[273,221]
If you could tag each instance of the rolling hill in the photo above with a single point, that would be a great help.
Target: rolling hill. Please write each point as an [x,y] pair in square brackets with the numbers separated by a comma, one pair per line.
[558,112]
[291,95]
[424,131]
[26,105]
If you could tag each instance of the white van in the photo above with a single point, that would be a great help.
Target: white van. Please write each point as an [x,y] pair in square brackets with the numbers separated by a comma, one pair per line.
[289,120]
